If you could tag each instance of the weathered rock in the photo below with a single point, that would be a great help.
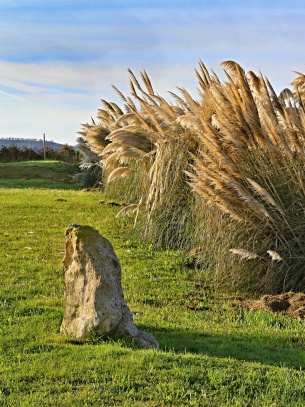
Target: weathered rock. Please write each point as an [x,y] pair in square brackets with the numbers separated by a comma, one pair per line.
[93,291]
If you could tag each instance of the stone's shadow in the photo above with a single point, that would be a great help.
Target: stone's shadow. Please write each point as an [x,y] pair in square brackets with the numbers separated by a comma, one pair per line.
[243,347]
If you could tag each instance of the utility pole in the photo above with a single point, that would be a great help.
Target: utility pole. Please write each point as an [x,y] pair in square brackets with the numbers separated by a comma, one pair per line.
[44,146]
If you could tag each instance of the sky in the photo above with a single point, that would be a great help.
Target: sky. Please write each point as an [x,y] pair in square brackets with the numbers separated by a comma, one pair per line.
[59,58]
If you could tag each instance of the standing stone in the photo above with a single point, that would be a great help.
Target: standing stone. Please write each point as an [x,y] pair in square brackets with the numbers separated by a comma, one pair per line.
[93,291]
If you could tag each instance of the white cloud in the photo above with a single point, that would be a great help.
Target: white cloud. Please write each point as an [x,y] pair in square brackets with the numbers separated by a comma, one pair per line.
[55,77]
[55,98]
[53,72]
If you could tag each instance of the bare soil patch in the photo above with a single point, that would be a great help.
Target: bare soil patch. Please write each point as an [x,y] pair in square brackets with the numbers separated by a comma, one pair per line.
[292,304]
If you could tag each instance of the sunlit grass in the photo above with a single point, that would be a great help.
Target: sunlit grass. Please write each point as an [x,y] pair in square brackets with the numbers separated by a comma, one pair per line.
[34,174]
[211,354]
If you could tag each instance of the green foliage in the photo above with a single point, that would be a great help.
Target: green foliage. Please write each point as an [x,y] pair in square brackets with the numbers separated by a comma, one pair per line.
[211,354]
[92,176]
[91,171]
[15,153]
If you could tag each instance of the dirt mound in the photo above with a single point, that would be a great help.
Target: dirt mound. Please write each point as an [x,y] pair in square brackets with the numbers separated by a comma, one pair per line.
[293,304]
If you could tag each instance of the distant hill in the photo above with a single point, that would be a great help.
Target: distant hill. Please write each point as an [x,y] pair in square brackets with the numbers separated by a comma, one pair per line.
[30,143]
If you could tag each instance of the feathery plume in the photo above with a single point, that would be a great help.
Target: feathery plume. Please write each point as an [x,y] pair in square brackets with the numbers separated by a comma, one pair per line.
[120,172]
[127,210]
[274,255]
[244,254]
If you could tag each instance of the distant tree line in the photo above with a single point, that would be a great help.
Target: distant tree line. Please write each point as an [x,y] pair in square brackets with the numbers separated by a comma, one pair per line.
[30,143]
[14,153]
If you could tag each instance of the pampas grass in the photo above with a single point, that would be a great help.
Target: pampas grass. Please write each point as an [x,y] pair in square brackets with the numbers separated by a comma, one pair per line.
[267,171]
[120,172]
[244,254]
[221,172]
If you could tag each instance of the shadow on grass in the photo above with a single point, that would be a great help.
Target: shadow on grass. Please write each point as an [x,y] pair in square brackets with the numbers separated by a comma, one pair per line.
[244,347]
[37,184]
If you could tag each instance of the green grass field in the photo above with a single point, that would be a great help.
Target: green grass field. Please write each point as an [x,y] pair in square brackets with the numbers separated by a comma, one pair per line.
[210,353]
[38,174]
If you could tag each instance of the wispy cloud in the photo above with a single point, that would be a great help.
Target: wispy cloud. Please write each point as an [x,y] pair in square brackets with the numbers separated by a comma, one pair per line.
[62,56]
[12,96]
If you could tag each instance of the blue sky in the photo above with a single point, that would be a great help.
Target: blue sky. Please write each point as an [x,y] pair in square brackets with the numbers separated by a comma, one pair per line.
[59,58]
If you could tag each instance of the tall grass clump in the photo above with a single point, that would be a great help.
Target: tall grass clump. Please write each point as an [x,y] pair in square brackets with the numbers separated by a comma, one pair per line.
[250,167]
[145,153]
[224,174]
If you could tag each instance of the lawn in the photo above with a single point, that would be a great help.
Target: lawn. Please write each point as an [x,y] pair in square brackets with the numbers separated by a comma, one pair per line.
[212,353]
[39,174]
